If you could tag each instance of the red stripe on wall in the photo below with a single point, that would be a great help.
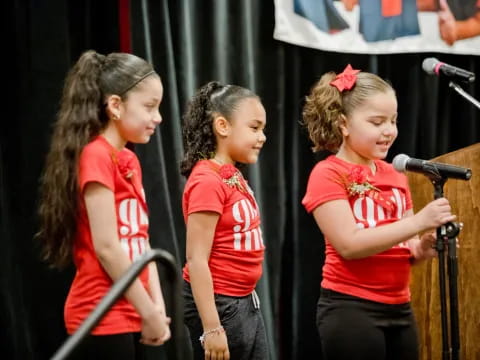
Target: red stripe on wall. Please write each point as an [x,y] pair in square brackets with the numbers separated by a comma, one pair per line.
[124,26]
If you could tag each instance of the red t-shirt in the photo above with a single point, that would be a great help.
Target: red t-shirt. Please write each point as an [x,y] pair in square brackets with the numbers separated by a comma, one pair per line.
[237,251]
[120,172]
[383,277]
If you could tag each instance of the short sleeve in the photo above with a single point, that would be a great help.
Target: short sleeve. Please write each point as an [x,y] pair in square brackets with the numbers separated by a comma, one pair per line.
[205,193]
[96,165]
[324,184]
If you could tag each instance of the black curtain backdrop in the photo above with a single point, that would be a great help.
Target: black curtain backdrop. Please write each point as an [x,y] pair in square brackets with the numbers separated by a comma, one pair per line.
[190,43]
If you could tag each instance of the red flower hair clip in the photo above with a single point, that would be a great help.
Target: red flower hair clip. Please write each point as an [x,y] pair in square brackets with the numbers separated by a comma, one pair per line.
[346,79]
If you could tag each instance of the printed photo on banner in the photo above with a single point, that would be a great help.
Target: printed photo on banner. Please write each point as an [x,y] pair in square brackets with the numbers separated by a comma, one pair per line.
[380,26]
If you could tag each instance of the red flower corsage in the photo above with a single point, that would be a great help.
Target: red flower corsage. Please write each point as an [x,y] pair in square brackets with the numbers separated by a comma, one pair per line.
[125,164]
[346,79]
[233,178]
[230,175]
[357,182]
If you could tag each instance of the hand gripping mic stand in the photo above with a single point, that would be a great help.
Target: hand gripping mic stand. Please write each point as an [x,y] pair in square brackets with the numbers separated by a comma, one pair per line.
[446,237]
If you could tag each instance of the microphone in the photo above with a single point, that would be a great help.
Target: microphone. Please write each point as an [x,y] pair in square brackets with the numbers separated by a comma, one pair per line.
[433,66]
[403,162]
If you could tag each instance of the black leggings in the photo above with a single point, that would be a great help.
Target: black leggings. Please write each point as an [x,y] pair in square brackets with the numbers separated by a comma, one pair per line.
[116,347]
[357,329]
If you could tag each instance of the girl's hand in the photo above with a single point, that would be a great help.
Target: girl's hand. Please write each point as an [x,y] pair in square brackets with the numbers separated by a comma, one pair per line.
[155,327]
[424,248]
[216,346]
[434,214]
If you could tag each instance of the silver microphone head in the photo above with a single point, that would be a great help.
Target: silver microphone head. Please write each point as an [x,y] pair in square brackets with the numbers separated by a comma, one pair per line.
[429,65]
[400,162]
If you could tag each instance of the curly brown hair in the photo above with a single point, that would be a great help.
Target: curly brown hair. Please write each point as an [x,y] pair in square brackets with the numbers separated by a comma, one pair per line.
[81,117]
[199,141]
[325,107]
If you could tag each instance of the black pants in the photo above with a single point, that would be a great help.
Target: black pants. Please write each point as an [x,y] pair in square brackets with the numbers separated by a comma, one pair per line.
[357,329]
[241,319]
[115,347]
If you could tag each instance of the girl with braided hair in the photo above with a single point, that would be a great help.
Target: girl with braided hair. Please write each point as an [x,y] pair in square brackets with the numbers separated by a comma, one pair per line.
[92,207]
[223,126]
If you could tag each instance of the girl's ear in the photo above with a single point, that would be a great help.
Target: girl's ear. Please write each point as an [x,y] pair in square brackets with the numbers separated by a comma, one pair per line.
[342,125]
[113,106]
[221,126]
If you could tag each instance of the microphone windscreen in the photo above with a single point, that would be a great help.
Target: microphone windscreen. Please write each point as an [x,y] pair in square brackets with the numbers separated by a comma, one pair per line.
[400,162]
[429,65]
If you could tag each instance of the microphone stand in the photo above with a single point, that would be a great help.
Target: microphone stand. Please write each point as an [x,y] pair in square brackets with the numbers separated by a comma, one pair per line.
[462,92]
[446,236]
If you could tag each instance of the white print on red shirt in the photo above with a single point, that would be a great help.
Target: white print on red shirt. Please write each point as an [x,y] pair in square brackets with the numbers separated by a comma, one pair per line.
[245,238]
[131,217]
[368,213]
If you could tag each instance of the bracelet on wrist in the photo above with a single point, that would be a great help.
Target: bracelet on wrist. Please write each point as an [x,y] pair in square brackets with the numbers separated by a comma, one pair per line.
[217,330]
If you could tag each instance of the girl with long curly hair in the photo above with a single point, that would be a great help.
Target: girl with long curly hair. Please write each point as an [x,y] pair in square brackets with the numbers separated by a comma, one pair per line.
[92,206]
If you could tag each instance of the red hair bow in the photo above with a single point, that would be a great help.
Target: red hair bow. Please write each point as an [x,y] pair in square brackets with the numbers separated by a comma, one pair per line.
[346,79]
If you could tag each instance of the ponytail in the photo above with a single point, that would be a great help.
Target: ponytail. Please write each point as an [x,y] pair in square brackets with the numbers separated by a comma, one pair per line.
[321,114]
[78,119]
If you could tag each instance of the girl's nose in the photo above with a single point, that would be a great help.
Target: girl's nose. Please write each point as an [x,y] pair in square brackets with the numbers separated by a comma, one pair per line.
[263,137]
[158,118]
[389,129]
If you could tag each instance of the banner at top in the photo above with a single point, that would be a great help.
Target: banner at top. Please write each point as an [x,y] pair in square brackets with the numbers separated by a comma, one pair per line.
[380,26]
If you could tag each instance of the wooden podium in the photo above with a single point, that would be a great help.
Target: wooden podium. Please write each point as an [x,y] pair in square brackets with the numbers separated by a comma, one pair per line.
[464,197]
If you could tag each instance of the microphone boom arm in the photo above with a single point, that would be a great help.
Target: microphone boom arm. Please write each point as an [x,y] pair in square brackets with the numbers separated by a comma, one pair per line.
[462,92]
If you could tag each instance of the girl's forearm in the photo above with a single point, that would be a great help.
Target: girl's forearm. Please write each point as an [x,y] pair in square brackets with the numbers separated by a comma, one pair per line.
[202,289]
[115,262]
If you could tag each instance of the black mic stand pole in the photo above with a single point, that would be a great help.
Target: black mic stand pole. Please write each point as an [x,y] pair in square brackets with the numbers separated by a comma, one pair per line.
[446,235]
[462,92]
